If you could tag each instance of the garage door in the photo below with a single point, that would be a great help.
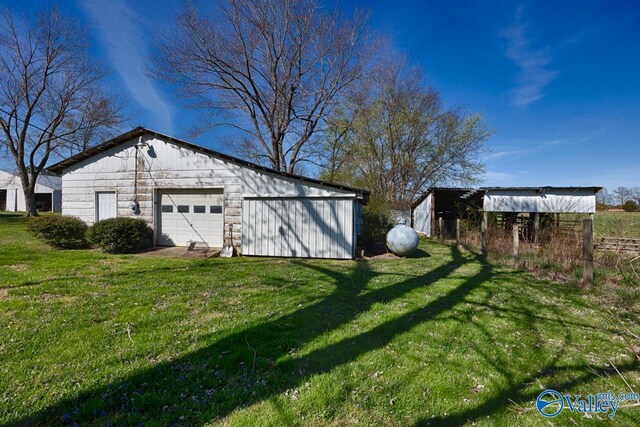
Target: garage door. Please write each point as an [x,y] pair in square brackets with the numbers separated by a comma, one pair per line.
[298,227]
[191,216]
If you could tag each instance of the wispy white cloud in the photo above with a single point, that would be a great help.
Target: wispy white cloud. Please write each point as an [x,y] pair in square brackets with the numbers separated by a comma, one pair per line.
[495,177]
[612,178]
[127,47]
[534,74]
[505,152]
[521,149]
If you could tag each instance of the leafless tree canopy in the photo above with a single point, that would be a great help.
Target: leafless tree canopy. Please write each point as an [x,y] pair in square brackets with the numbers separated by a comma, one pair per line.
[278,65]
[50,100]
[396,138]
[619,196]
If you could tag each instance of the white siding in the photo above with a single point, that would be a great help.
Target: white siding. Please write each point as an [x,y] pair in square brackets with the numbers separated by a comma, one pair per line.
[298,227]
[401,216]
[422,216]
[547,201]
[170,166]
[12,200]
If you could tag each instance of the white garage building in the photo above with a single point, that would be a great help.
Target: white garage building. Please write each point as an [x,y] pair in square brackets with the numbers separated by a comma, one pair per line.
[48,193]
[190,194]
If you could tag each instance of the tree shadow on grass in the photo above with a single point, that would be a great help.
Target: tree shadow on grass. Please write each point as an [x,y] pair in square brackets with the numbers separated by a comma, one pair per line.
[543,370]
[259,361]
[419,253]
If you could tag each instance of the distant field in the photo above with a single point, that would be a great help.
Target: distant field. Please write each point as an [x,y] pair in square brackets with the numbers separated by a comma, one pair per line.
[617,224]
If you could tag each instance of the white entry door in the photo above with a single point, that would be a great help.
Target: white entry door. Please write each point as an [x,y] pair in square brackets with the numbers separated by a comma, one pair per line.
[187,216]
[106,206]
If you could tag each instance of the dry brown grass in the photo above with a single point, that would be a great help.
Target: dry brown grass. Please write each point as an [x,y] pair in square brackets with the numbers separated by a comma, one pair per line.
[559,258]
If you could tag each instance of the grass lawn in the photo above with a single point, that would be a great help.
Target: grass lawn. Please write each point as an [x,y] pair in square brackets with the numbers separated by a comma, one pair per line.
[617,224]
[442,338]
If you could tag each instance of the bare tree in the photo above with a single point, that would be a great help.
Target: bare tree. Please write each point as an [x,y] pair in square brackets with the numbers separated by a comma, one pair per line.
[603,197]
[634,193]
[396,138]
[278,66]
[50,100]
[622,194]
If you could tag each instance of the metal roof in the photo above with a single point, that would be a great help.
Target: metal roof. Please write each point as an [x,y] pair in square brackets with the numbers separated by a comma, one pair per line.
[541,189]
[457,190]
[140,131]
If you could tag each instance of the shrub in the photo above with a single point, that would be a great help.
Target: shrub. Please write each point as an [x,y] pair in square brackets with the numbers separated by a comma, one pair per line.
[63,232]
[121,235]
[376,222]
[630,206]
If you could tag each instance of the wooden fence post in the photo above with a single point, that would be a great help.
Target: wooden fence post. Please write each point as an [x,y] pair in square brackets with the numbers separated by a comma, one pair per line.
[458,231]
[587,252]
[536,228]
[516,245]
[441,228]
[483,228]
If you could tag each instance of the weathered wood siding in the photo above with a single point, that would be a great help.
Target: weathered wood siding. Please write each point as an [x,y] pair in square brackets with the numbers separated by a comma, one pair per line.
[422,216]
[166,165]
[298,227]
[548,201]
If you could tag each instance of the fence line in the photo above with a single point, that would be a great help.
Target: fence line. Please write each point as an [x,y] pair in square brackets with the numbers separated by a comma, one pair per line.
[619,244]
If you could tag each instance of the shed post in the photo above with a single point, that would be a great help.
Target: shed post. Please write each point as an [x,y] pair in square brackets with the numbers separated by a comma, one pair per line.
[483,229]
[536,228]
[587,252]
[458,231]
[516,244]
[432,216]
[441,228]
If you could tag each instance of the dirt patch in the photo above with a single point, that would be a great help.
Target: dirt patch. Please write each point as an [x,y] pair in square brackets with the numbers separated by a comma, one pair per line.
[19,267]
[46,297]
[211,315]
[387,255]
[181,252]
[4,293]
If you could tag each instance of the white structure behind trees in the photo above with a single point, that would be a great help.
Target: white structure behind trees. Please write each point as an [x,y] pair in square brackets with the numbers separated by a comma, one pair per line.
[48,194]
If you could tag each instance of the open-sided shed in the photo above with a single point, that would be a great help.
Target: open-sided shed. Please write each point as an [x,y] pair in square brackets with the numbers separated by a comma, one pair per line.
[450,204]
[443,203]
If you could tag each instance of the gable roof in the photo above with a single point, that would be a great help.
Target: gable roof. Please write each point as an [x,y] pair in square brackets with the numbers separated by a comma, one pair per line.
[59,167]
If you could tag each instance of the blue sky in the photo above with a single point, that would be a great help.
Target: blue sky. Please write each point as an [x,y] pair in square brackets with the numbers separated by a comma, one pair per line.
[558,81]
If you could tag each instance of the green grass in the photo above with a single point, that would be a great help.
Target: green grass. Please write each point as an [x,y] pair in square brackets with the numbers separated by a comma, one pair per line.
[617,224]
[442,338]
